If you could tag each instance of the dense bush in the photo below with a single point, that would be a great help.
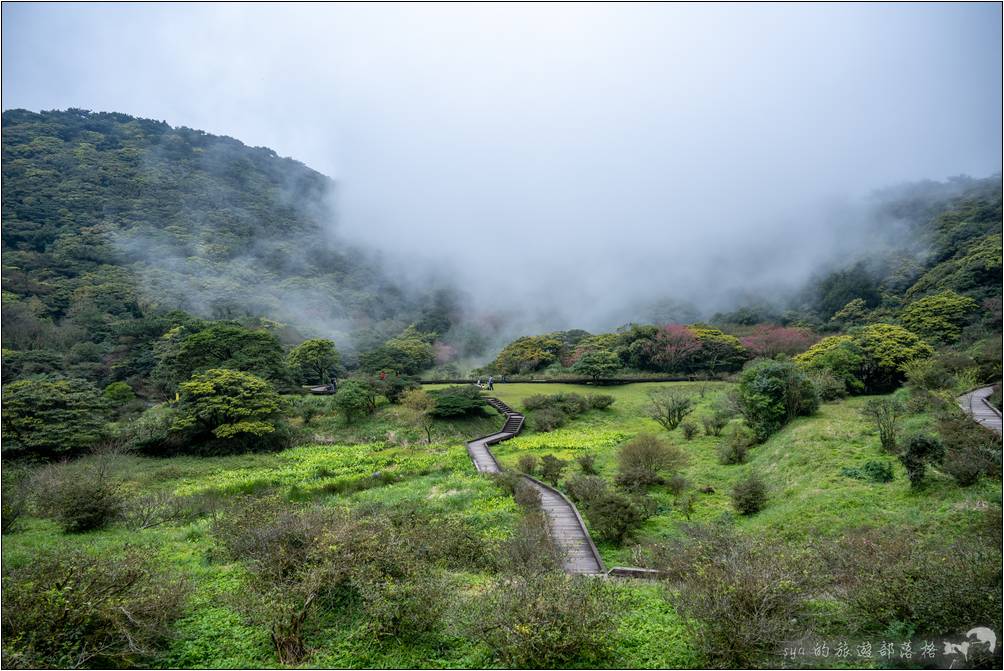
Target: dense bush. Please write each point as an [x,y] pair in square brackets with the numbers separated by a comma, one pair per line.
[354,399]
[224,410]
[600,401]
[645,460]
[677,485]
[970,450]
[919,451]
[597,364]
[749,495]
[552,411]
[742,594]
[613,516]
[15,491]
[458,401]
[393,386]
[549,419]
[927,585]
[545,620]
[735,445]
[828,385]
[530,550]
[887,350]
[689,430]
[769,340]
[715,422]
[584,489]
[188,351]
[772,393]
[51,417]
[838,357]
[551,468]
[70,609]
[526,495]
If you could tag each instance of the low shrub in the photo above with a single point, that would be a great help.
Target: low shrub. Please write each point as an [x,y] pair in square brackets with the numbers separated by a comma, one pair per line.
[872,471]
[735,446]
[549,419]
[747,598]
[970,450]
[613,516]
[749,495]
[69,609]
[80,497]
[689,430]
[530,550]
[457,401]
[551,469]
[885,414]
[669,407]
[545,620]
[919,451]
[600,401]
[677,485]
[644,460]
[527,463]
[584,489]
[15,492]
[587,462]
[828,385]
[526,495]
[714,423]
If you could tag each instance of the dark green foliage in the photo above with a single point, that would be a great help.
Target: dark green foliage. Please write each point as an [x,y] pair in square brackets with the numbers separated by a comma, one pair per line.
[669,406]
[407,354]
[970,450]
[872,471]
[742,594]
[885,414]
[587,462]
[530,353]
[839,288]
[553,411]
[829,387]
[551,469]
[118,393]
[530,550]
[70,609]
[597,364]
[645,460]
[354,399]
[458,401]
[393,386]
[613,516]
[527,463]
[749,495]
[600,401]
[183,353]
[545,620]
[51,417]
[772,392]
[919,451]
[314,361]
[549,419]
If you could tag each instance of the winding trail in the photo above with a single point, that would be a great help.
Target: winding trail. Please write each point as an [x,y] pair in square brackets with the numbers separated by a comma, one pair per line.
[579,554]
[977,405]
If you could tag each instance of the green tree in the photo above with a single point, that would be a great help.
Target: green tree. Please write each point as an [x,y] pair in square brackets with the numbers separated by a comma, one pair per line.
[939,317]
[920,451]
[420,406]
[529,353]
[228,405]
[220,345]
[354,399]
[314,360]
[52,417]
[772,392]
[888,349]
[718,351]
[597,364]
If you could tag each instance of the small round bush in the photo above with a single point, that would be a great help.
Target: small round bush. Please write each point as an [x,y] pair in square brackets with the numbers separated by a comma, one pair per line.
[548,419]
[584,489]
[587,462]
[689,430]
[600,401]
[749,495]
[527,463]
[677,485]
[737,443]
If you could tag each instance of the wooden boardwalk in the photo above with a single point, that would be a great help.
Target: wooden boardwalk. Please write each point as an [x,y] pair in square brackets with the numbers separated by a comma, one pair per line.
[976,404]
[579,554]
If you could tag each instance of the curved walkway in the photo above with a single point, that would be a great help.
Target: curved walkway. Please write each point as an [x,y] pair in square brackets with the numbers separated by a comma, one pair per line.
[579,554]
[977,405]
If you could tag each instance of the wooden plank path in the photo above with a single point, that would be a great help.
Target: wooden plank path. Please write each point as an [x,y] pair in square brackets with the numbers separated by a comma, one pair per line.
[977,405]
[579,554]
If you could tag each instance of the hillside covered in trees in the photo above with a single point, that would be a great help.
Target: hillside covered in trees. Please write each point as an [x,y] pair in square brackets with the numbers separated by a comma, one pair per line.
[119,229]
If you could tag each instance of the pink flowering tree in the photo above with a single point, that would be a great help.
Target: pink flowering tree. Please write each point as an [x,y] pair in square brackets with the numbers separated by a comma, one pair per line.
[674,348]
[769,340]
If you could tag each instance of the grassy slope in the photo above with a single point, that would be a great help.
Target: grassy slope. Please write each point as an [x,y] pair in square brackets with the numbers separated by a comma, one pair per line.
[809,498]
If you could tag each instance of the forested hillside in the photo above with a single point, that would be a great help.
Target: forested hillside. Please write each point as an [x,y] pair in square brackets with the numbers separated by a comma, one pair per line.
[115,227]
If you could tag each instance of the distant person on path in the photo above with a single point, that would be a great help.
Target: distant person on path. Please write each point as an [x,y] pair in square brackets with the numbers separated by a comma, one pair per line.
[491,383]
